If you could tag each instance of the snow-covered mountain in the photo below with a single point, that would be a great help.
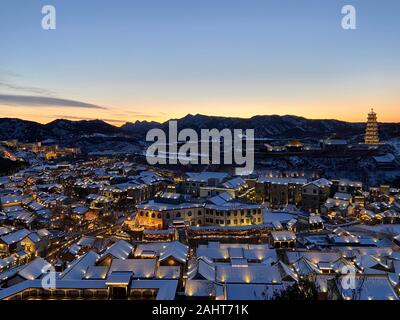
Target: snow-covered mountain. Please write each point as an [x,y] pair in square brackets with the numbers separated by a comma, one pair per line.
[271,126]
[92,135]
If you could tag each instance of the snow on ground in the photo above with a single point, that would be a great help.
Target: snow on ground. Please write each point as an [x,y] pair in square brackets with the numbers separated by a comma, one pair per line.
[278,216]
[395,143]
[391,229]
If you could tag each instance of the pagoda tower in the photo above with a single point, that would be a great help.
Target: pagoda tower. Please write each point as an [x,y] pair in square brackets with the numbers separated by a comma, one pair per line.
[371,132]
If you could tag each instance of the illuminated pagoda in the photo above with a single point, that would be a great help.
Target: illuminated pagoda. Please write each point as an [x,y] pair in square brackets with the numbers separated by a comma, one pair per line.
[371,132]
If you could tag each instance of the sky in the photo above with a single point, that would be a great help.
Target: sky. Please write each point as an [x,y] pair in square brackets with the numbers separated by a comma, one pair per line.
[127,60]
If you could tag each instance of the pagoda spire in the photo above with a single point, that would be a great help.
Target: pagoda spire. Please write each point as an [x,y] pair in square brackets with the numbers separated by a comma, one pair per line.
[371,131]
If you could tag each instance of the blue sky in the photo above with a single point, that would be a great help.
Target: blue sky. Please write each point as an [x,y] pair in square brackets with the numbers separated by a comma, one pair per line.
[157,59]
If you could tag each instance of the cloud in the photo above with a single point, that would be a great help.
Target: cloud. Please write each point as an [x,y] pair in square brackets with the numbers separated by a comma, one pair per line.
[87,118]
[43,101]
[136,114]
[10,86]
[8,73]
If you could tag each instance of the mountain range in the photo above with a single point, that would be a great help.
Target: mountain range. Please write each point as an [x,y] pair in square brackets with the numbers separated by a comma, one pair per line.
[84,132]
